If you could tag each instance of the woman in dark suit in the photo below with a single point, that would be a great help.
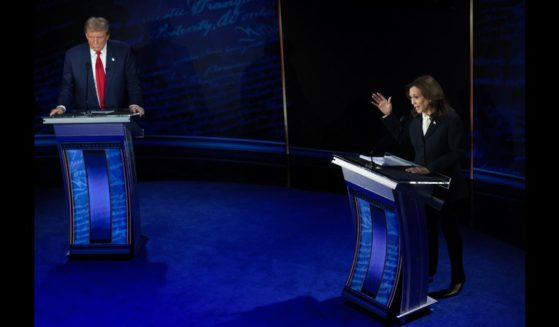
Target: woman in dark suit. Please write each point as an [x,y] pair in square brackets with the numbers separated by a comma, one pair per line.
[436,134]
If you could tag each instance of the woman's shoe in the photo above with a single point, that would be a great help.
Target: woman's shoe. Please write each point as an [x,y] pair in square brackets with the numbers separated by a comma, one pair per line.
[453,290]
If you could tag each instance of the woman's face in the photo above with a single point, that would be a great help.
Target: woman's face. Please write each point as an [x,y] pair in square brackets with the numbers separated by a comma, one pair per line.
[418,101]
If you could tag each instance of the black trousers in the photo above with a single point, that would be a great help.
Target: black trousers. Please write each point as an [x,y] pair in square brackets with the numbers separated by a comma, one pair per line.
[447,218]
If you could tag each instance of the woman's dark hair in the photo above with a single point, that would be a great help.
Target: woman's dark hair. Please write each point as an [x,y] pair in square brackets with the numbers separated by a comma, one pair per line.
[433,92]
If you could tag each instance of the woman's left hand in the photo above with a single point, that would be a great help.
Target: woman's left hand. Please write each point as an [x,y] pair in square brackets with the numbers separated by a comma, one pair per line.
[418,170]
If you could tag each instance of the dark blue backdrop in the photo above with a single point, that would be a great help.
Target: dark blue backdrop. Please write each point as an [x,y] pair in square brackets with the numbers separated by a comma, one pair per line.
[213,68]
[499,87]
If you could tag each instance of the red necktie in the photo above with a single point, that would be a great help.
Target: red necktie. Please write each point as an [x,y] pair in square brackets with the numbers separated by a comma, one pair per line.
[100,78]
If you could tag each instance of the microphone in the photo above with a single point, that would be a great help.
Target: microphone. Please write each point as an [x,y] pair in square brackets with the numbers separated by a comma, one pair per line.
[373,165]
[378,145]
[87,68]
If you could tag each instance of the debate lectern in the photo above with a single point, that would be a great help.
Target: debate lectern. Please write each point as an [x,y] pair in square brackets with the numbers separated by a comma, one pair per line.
[99,176]
[389,273]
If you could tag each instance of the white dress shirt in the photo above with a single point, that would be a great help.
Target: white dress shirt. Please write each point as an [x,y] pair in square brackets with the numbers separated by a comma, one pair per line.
[426,122]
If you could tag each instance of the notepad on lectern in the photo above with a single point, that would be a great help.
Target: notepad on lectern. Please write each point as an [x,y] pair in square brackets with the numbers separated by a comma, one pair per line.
[102,111]
[388,160]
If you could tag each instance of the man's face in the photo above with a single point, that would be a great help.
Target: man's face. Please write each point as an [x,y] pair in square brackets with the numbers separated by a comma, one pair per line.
[97,39]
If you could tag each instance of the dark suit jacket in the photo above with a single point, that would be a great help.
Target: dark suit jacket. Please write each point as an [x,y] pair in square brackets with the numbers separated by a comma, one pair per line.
[440,150]
[122,87]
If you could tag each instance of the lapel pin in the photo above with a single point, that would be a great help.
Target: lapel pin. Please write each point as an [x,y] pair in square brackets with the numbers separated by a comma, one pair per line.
[113,59]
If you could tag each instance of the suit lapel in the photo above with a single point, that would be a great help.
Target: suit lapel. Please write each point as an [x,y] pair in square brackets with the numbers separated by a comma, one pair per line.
[432,128]
[91,89]
[416,129]
[108,69]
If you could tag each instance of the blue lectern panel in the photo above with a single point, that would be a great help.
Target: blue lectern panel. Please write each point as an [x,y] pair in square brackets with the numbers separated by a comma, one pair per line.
[99,196]
[117,183]
[377,265]
[98,193]
[378,246]
[392,265]
[80,195]
[364,252]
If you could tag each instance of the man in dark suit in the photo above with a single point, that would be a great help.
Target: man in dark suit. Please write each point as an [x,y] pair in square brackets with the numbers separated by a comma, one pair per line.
[437,136]
[100,74]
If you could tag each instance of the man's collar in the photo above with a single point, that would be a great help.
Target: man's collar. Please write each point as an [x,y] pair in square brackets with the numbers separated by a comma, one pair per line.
[92,52]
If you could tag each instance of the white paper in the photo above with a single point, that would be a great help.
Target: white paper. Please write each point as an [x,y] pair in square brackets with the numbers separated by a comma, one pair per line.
[387,160]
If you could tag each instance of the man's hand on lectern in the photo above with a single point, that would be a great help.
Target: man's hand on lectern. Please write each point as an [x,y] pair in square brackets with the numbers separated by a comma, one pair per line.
[137,109]
[56,111]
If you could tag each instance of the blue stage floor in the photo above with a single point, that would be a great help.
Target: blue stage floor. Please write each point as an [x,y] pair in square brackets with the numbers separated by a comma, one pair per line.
[226,254]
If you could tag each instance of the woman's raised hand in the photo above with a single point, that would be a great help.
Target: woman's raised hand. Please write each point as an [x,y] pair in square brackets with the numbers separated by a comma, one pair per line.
[382,103]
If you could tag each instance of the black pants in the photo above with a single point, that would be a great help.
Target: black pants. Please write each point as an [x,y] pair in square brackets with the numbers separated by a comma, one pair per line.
[448,220]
